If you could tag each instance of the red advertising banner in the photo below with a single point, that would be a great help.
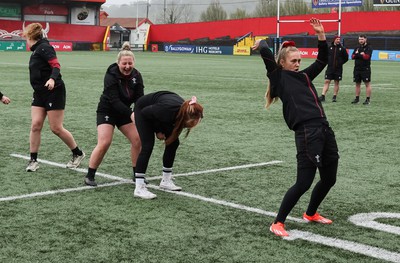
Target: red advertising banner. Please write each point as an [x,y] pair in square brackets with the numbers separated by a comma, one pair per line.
[62,46]
[56,10]
[309,52]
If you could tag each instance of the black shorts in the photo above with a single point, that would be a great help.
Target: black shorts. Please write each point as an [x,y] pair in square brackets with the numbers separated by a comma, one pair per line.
[361,75]
[333,75]
[112,119]
[50,99]
[316,145]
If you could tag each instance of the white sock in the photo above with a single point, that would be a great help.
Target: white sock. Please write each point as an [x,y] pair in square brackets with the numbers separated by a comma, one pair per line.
[167,173]
[139,179]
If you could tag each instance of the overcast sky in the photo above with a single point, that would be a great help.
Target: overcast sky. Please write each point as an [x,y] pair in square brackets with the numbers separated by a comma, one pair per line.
[118,2]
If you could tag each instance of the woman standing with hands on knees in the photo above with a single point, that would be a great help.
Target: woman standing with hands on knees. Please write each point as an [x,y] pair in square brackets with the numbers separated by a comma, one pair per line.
[49,96]
[164,115]
[123,85]
[304,114]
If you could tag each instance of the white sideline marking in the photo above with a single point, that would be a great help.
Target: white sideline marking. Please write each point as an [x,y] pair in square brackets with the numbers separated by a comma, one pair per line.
[108,176]
[53,192]
[220,169]
[294,234]
[367,220]
[345,245]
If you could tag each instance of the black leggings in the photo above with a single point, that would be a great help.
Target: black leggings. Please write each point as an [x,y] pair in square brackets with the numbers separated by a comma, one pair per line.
[147,138]
[305,178]
[316,147]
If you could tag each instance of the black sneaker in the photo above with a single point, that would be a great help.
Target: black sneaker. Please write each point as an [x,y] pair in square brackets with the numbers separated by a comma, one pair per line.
[355,101]
[334,99]
[366,102]
[322,98]
[90,181]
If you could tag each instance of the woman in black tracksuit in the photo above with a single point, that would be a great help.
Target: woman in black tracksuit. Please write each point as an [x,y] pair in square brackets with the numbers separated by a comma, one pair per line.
[303,113]
[123,85]
[49,96]
[163,115]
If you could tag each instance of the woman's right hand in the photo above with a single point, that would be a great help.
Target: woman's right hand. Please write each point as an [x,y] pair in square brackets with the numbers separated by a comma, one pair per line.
[256,44]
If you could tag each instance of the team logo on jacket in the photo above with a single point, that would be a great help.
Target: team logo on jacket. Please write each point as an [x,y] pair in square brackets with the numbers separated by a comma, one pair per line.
[50,104]
[318,158]
[106,118]
[134,80]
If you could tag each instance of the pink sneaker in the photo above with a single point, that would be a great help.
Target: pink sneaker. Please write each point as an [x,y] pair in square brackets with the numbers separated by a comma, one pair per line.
[278,229]
[317,218]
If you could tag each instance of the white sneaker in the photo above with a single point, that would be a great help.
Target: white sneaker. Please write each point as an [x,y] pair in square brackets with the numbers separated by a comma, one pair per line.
[168,184]
[76,160]
[142,192]
[32,166]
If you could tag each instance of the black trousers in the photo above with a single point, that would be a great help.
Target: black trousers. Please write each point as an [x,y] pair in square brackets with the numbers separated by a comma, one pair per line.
[316,149]
[147,138]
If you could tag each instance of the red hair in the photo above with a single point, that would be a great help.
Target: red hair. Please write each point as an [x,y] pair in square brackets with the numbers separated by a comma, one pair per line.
[188,117]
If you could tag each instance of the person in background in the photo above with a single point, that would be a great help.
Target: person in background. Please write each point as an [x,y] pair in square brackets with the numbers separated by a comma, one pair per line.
[303,112]
[164,115]
[4,98]
[49,96]
[362,69]
[338,56]
[123,85]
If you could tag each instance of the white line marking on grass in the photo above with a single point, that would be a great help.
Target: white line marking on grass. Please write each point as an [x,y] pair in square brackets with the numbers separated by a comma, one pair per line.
[367,220]
[220,169]
[53,192]
[294,234]
[345,245]
[225,203]
[108,176]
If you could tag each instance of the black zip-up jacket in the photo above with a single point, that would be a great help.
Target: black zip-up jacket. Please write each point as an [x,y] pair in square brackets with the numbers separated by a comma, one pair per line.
[43,65]
[160,108]
[337,57]
[295,88]
[362,62]
[120,91]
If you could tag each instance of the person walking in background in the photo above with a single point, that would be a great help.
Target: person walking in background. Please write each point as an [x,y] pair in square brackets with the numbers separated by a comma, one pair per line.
[49,96]
[362,69]
[4,98]
[164,115]
[303,112]
[123,85]
[338,56]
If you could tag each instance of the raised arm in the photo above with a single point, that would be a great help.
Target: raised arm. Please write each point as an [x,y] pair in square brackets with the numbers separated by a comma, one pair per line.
[318,28]
[266,54]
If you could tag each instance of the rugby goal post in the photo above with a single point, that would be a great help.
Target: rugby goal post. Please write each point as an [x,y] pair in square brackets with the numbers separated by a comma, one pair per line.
[278,40]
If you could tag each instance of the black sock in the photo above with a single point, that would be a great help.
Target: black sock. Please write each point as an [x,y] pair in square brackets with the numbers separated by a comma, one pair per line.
[34,156]
[357,97]
[77,151]
[367,98]
[91,173]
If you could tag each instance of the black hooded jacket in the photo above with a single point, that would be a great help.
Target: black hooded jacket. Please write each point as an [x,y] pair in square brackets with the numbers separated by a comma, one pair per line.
[120,91]
[43,65]
[295,88]
[337,57]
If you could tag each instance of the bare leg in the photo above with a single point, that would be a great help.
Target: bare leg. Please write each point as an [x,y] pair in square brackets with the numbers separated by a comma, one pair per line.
[56,118]
[131,133]
[105,134]
[368,89]
[38,116]
[326,87]
[336,88]
[358,89]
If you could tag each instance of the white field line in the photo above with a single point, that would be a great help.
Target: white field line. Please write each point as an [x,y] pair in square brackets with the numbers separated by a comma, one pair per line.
[367,220]
[53,192]
[220,169]
[294,234]
[345,245]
